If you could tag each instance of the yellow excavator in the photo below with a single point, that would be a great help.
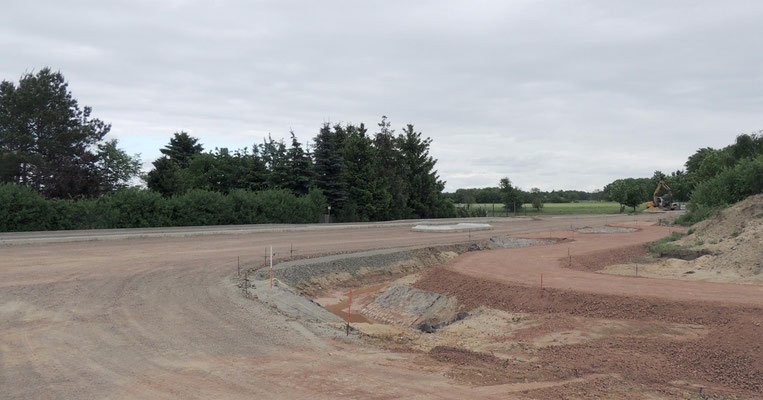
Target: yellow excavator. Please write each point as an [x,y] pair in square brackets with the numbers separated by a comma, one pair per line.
[663,202]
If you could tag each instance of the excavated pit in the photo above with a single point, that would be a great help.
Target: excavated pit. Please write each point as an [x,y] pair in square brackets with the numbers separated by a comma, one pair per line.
[381,282]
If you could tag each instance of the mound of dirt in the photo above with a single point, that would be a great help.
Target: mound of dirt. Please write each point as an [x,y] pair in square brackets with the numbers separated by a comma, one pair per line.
[734,236]
[405,305]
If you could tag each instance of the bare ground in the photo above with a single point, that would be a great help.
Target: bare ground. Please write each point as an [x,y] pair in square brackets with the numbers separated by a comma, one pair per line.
[162,318]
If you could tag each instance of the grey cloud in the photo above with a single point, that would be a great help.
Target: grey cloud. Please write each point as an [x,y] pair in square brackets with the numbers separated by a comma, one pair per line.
[551,94]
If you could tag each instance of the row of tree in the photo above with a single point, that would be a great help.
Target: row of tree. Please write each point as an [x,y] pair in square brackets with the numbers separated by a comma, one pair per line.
[493,195]
[364,177]
[50,144]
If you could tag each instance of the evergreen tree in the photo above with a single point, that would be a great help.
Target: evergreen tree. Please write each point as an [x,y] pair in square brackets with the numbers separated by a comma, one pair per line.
[362,180]
[391,200]
[300,179]
[166,178]
[254,170]
[417,170]
[182,148]
[329,167]
[277,163]
[46,141]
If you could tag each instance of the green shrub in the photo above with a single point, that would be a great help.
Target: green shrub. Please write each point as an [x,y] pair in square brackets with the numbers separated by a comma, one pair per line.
[134,208]
[665,243]
[23,209]
[730,185]
[201,207]
[697,214]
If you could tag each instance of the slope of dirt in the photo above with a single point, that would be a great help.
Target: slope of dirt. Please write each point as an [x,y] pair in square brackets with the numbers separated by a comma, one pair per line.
[735,237]
[725,248]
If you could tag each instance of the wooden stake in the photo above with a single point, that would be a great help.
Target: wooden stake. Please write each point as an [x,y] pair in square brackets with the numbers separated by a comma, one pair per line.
[349,306]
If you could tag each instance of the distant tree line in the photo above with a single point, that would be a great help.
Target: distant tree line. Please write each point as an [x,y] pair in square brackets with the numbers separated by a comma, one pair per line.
[57,171]
[491,195]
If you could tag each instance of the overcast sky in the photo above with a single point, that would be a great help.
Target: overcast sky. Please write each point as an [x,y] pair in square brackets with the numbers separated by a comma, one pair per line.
[552,94]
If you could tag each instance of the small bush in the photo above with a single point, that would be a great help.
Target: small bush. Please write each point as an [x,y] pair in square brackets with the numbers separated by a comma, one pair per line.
[665,244]
[697,214]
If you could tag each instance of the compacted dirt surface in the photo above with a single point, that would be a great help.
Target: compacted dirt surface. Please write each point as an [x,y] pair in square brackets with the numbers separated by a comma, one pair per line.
[162,317]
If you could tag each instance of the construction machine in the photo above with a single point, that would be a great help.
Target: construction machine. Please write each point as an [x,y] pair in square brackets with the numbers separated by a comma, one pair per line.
[662,202]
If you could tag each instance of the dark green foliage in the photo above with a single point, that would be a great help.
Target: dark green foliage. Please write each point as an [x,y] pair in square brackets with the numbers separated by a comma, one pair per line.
[201,207]
[23,209]
[630,192]
[277,164]
[491,195]
[696,214]
[391,202]
[417,168]
[49,143]
[115,167]
[329,165]
[300,178]
[537,198]
[166,178]
[182,148]
[730,185]
[362,180]
[511,197]
[134,208]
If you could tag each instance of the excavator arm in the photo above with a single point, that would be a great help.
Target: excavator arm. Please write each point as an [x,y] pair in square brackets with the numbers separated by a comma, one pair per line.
[656,201]
[661,185]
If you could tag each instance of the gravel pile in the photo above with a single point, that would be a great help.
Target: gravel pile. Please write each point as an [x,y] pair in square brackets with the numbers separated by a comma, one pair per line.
[510,243]
[606,229]
[409,306]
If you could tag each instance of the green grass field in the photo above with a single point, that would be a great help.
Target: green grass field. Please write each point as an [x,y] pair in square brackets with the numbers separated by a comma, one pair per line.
[592,207]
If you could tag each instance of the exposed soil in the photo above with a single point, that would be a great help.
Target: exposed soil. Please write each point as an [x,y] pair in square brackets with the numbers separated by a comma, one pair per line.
[597,260]
[725,248]
[161,318]
[730,354]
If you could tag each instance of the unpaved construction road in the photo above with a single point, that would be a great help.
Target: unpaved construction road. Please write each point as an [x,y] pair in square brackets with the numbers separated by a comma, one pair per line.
[160,317]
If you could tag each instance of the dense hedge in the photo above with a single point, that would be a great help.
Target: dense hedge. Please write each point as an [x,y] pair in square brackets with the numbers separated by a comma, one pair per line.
[730,185]
[23,209]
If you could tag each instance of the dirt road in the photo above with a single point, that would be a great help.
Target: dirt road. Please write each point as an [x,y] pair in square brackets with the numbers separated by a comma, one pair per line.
[160,318]
[524,266]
